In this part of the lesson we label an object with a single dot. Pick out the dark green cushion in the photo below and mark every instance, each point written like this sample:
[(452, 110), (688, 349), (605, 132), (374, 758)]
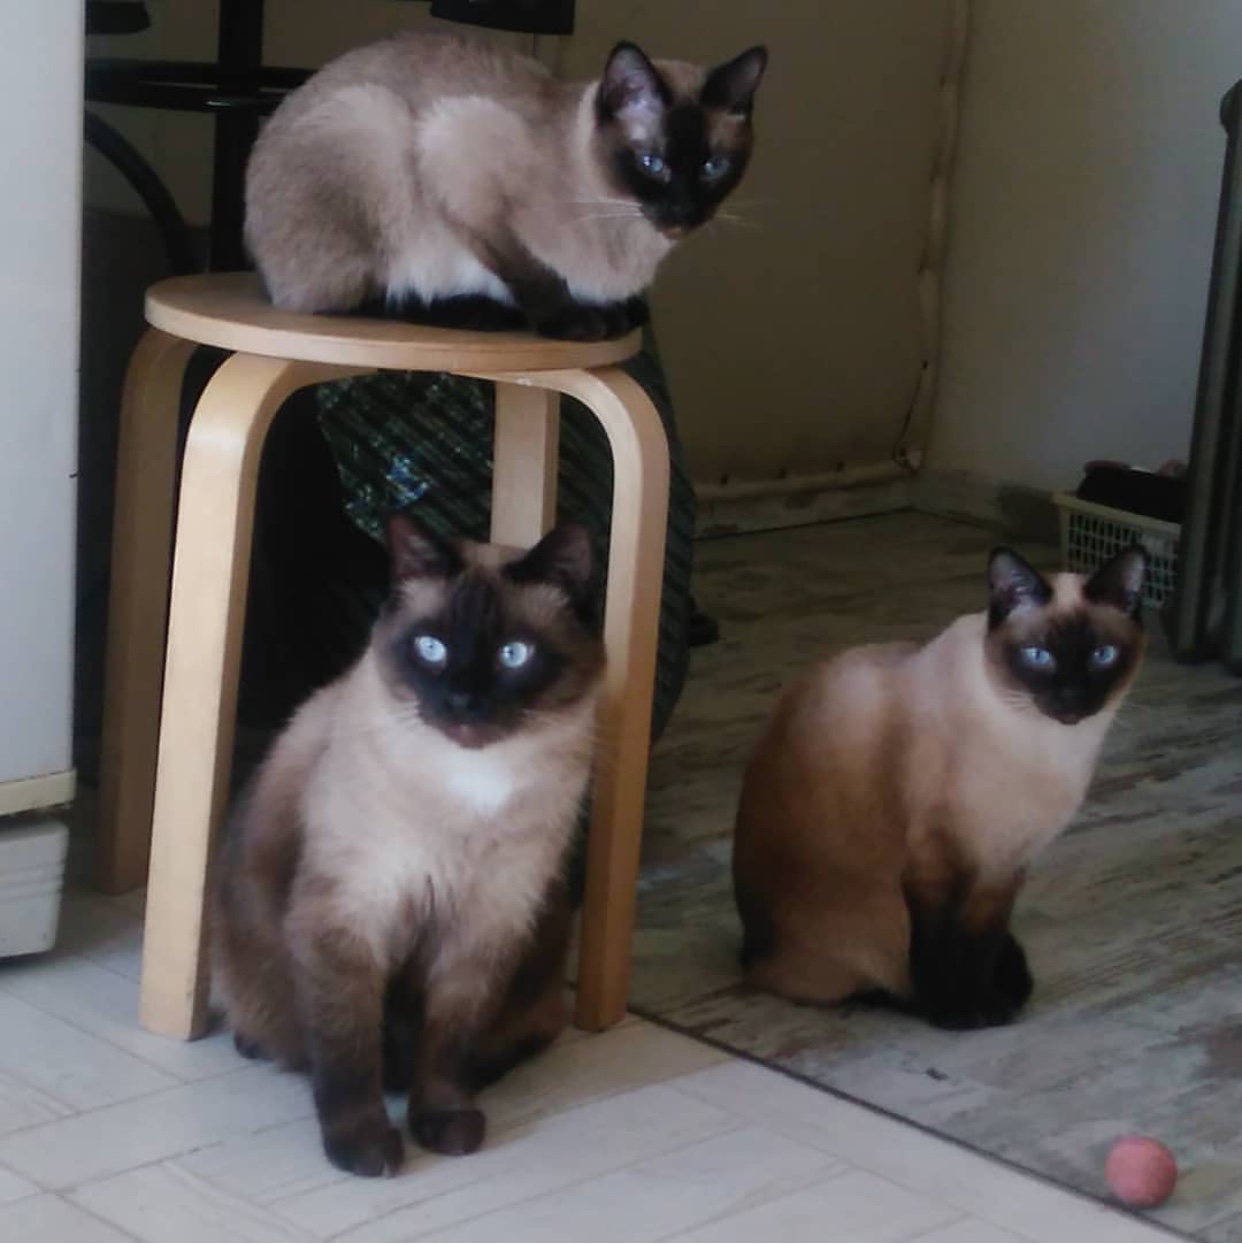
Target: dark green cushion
[(424, 442)]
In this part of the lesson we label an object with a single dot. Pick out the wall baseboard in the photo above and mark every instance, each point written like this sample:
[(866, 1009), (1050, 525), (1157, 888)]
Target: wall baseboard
[(48, 790), (721, 513), (1015, 511)]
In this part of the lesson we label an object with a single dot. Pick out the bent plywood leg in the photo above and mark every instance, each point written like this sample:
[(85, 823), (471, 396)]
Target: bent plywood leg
[(137, 610), (524, 461), (210, 578), (631, 633)]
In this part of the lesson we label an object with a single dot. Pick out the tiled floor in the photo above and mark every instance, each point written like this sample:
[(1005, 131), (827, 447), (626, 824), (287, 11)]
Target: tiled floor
[(109, 1133)]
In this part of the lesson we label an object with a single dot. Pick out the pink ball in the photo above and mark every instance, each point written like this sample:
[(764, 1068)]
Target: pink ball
[(1141, 1172)]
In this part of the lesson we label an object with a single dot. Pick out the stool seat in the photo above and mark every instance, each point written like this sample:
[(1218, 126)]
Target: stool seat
[(230, 310)]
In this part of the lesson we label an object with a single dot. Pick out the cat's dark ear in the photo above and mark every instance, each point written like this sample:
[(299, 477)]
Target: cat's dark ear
[(1119, 582), (631, 83), (562, 557), (1013, 583), (416, 552), (732, 86)]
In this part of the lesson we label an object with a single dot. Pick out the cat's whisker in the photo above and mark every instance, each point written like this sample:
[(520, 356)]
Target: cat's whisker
[(609, 216), (376, 731), (613, 222), (541, 716), (738, 222), (1019, 701)]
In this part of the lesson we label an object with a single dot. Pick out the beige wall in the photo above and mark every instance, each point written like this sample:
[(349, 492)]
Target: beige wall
[(1084, 201), (794, 338)]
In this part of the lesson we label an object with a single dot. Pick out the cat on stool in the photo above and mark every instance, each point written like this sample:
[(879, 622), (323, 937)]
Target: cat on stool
[(899, 792), (445, 180)]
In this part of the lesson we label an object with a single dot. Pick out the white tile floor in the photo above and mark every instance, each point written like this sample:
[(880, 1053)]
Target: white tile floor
[(109, 1133)]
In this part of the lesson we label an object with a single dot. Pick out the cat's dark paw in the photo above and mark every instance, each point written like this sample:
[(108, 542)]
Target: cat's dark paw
[(248, 1048), (991, 1004), (574, 324), (370, 1147), (965, 980), (637, 313), (579, 322), (988, 1010), (451, 1132), (475, 314)]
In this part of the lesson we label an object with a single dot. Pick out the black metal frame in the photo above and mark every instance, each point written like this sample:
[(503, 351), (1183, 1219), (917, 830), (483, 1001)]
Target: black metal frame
[(533, 17), (175, 234), (238, 90), (1206, 618)]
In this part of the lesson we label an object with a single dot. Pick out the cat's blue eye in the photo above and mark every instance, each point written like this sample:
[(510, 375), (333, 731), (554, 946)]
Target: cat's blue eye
[(1038, 658), (716, 166), (431, 649), (653, 164), (515, 654), (1105, 655)]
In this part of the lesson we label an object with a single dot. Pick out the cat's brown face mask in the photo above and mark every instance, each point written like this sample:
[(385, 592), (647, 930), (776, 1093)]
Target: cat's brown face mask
[(675, 140), (481, 645), (1071, 650)]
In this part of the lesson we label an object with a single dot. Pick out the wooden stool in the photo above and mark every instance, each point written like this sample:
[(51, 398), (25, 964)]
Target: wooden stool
[(165, 787)]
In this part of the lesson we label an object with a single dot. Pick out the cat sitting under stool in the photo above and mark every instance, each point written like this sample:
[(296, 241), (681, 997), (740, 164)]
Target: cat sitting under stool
[(391, 911)]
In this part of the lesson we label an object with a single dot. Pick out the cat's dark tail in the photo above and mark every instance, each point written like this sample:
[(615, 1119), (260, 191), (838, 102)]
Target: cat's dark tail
[(758, 931)]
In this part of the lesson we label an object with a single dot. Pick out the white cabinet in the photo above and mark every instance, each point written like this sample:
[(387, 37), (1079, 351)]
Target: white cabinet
[(40, 226)]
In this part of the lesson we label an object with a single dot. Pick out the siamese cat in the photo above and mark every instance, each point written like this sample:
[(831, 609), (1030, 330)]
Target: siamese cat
[(445, 180), (891, 808), (391, 910)]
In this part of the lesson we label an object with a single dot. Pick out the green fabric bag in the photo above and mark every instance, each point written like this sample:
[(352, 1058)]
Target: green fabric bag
[(423, 442)]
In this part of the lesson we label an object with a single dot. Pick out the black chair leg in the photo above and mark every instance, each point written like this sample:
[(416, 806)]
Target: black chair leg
[(174, 232)]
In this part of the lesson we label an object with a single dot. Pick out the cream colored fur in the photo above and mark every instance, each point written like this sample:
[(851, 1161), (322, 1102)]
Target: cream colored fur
[(388, 167), (1027, 774), (406, 822)]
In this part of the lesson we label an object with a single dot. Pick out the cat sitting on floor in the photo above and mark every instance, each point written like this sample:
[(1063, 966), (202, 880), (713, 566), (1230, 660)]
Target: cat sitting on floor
[(445, 180), (391, 910), (890, 810)]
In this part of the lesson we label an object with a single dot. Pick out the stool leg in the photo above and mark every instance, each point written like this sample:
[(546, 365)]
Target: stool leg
[(631, 632), (524, 461), (210, 579), (137, 607)]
